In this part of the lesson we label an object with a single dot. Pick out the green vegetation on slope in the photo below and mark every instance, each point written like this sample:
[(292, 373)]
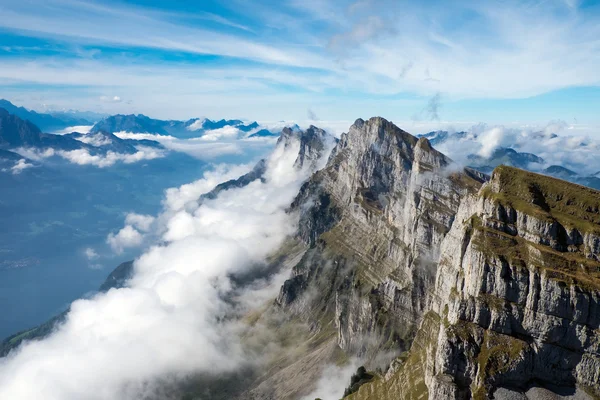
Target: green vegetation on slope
[(547, 198)]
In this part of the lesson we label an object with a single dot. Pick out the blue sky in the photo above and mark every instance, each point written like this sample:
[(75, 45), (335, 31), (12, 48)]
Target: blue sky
[(466, 62)]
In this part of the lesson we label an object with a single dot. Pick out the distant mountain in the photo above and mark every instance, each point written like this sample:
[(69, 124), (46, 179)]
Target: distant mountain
[(17, 132), (558, 171), (6, 155), (131, 123), (45, 122), (89, 116), (263, 133), (503, 156), (107, 141), (182, 129), (512, 157), (438, 137)]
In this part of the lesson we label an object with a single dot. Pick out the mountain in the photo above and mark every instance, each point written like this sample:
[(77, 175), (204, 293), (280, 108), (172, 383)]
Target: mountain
[(438, 137), (46, 122), (131, 123), (447, 284), (257, 172), (81, 116), (504, 156), (312, 146), (263, 133), (109, 142), (6, 155), (182, 129), (16, 132), (558, 171)]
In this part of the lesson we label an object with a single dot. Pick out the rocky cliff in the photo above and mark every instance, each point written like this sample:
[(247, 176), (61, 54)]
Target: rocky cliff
[(471, 289)]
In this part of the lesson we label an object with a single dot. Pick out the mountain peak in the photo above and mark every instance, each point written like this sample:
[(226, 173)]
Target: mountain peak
[(15, 131)]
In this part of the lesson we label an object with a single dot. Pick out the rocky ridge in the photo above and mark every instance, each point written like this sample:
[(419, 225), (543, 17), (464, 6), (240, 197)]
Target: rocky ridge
[(467, 286)]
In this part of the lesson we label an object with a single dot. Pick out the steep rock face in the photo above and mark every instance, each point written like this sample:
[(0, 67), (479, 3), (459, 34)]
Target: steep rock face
[(492, 286), (374, 217), (521, 300), (516, 302)]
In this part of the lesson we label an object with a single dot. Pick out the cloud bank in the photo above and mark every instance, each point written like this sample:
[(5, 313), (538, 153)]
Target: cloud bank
[(212, 145), (84, 157), (558, 143), (171, 321)]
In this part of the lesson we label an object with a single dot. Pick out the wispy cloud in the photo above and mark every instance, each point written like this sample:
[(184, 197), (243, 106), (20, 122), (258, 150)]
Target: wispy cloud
[(341, 52), (132, 26), (84, 157), (20, 166)]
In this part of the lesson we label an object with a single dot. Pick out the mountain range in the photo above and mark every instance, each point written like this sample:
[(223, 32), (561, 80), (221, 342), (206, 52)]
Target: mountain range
[(52, 121), (56, 121), (182, 129), (445, 282), (18, 133)]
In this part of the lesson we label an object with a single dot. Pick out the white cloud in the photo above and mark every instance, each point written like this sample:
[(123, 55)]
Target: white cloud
[(96, 140), (554, 142), (83, 157), (110, 99), (35, 154), (492, 139), (139, 221), (368, 54), (90, 253), (196, 125), (187, 195), (77, 128), (20, 165), (127, 237), (227, 133), (171, 320), (219, 144), (334, 379)]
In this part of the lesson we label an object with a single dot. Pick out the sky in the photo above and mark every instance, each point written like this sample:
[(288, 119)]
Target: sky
[(462, 62)]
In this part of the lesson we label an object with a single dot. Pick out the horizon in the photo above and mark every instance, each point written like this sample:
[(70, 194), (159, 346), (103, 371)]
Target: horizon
[(415, 127)]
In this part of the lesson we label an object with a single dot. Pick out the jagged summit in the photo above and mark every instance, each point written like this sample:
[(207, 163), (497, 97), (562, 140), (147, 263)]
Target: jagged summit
[(313, 144)]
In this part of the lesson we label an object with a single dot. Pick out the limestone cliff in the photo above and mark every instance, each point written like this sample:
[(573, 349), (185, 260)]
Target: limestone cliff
[(467, 286), (374, 218)]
